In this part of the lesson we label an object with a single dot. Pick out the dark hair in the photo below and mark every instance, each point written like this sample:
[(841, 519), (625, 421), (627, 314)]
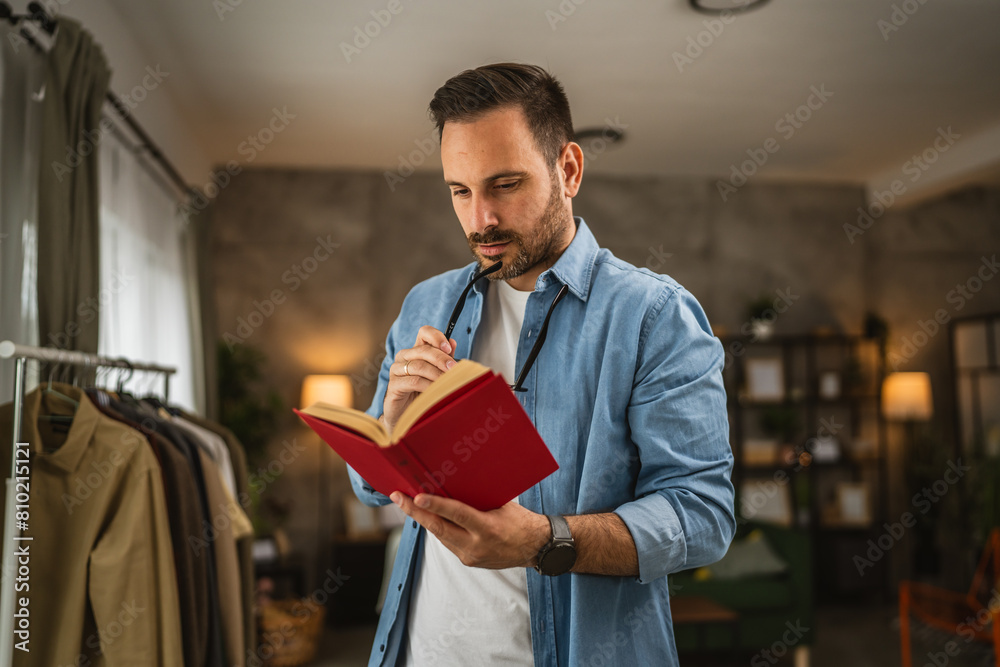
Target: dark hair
[(475, 92)]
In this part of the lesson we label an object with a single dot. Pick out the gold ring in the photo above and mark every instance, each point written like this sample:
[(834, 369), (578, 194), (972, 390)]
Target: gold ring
[(406, 368)]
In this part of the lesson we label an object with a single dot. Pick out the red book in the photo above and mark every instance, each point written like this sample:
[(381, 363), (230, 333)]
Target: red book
[(466, 437)]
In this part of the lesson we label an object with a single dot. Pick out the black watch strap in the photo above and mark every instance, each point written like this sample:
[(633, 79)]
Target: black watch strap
[(560, 527)]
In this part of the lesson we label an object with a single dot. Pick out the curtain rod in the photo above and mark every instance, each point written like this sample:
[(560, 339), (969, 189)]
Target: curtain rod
[(9, 349), (146, 143)]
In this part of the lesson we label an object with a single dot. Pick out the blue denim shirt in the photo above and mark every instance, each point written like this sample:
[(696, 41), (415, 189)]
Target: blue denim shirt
[(627, 393)]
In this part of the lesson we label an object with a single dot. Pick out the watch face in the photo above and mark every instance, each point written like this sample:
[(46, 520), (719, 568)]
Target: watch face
[(558, 560)]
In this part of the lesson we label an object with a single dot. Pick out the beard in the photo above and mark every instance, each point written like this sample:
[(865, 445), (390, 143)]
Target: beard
[(540, 247)]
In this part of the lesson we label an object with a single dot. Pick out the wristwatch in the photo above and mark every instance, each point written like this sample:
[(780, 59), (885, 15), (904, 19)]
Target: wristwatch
[(557, 557)]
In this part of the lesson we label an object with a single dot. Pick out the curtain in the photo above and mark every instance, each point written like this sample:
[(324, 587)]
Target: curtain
[(76, 81), (21, 92), (201, 278), (149, 304)]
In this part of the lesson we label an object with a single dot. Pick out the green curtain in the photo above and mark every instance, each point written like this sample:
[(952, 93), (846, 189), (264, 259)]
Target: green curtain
[(201, 296), (76, 81)]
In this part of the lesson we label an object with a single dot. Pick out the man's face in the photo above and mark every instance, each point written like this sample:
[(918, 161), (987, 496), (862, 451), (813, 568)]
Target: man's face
[(511, 207)]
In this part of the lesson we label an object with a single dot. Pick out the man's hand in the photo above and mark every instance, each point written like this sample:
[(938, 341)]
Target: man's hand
[(512, 536), (413, 370), (509, 536)]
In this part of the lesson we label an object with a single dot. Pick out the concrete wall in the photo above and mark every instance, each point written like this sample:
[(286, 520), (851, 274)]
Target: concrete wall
[(764, 238)]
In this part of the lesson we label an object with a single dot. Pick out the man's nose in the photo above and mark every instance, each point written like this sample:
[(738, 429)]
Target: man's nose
[(483, 215)]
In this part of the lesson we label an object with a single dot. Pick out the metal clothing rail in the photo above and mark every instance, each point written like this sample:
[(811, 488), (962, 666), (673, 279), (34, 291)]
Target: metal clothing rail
[(11, 533)]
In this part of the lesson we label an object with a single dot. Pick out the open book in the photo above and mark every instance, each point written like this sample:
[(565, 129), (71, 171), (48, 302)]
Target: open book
[(466, 437)]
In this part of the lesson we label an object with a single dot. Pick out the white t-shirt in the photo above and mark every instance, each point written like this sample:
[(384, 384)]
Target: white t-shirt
[(468, 615)]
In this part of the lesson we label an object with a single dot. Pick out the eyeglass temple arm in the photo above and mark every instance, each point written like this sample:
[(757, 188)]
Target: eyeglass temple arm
[(537, 347), (461, 300)]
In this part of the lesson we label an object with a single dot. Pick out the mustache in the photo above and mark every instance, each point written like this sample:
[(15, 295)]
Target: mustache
[(491, 237)]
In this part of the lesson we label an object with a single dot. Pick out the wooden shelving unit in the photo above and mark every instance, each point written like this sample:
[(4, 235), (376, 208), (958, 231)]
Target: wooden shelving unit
[(820, 478)]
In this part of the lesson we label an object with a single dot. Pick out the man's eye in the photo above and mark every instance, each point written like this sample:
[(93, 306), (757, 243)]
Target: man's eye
[(506, 186), (459, 193)]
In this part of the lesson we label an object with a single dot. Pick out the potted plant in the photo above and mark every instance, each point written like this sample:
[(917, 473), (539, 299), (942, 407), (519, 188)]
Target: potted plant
[(761, 315)]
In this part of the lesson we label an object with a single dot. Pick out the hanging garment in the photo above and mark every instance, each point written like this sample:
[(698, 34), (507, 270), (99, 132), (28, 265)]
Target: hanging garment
[(212, 445), (226, 563), (244, 546), (201, 545), (185, 517), (103, 588)]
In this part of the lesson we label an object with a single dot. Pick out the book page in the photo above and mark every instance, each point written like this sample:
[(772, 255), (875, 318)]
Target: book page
[(454, 378), (355, 420)]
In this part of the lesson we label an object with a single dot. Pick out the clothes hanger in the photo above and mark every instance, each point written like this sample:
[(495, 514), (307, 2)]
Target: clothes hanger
[(123, 395), (49, 391)]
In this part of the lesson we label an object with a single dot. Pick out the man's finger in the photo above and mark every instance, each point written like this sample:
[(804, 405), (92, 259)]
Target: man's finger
[(444, 529), (453, 510), (428, 335)]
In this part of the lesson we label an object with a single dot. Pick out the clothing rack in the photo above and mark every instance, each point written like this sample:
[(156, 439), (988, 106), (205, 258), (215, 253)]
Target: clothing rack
[(21, 354)]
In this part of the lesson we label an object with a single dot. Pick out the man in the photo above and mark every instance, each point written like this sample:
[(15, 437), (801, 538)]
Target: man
[(627, 393)]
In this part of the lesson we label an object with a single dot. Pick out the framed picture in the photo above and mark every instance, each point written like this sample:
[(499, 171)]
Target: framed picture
[(825, 449), (829, 385), (767, 501), (765, 380), (854, 505), (360, 520), (760, 452)]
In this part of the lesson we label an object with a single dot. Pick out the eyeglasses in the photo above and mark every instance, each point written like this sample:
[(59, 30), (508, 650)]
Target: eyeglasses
[(535, 349)]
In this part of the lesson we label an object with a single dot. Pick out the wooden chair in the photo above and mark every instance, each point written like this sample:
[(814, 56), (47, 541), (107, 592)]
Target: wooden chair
[(974, 615)]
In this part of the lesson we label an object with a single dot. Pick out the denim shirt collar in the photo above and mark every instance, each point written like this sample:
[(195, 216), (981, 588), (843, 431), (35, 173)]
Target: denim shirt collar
[(573, 268)]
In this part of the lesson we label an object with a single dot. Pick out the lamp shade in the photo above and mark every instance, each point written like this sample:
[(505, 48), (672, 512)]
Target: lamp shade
[(907, 396), (332, 389)]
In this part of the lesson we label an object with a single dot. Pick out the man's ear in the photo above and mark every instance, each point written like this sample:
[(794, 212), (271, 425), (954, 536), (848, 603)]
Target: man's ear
[(570, 168)]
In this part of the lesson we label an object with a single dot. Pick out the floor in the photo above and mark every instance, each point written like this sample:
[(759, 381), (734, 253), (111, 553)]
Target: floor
[(847, 637)]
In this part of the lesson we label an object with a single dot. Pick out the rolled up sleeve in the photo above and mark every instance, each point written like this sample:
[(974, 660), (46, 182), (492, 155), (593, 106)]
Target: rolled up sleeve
[(683, 515)]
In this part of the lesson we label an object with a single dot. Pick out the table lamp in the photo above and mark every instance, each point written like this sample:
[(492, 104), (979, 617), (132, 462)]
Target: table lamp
[(335, 390), (907, 397)]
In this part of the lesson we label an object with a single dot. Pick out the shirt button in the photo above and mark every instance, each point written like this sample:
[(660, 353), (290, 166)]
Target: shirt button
[(382, 647), (399, 587), (414, 524)]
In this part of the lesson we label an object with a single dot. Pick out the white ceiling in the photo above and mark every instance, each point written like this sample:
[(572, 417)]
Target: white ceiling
[(941, 68)]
